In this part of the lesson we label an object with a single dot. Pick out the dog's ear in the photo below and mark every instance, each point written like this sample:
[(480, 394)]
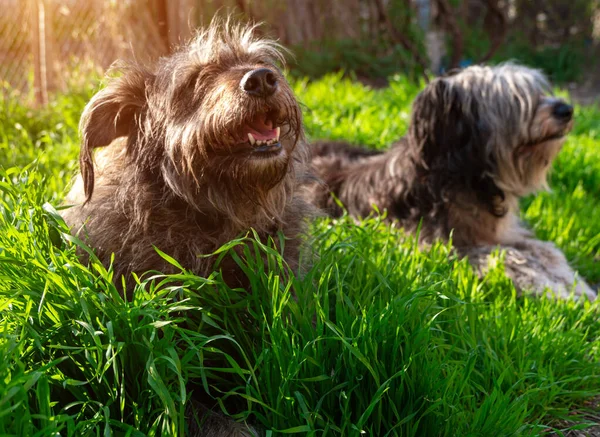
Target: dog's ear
[(112, 113), (427, 118), (446, 124), (452, 142)]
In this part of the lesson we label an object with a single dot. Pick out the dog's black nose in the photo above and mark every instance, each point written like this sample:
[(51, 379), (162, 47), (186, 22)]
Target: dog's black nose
[(261, 82), (562, 111)]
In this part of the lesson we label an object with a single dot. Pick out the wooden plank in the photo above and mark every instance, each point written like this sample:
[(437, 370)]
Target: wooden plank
[(39, 62), (162, 16), (48, 47)]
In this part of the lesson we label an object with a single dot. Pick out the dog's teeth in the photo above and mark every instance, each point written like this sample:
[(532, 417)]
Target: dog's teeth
[(277, 134), (251, 138)]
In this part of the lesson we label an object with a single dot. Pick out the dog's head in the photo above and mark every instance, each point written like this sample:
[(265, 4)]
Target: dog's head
[(490, 130), (215, 122)]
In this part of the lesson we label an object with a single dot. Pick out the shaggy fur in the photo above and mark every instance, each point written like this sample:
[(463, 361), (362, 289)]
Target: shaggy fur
[(183, 174), (478, 141)]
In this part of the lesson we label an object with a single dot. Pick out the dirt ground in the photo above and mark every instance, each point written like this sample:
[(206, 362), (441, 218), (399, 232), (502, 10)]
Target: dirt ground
[(591, 414), (587, 90)]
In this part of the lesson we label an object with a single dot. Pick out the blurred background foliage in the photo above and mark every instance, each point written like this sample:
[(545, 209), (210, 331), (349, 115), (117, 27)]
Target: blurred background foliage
[(43, 42)]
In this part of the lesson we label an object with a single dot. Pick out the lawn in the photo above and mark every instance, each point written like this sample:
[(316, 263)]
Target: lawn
[(377, 338)]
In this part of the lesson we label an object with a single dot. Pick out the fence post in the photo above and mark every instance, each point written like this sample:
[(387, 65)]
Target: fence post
[(41, 44), (162, 12), (48, 46), (37, 26), (434, 38)]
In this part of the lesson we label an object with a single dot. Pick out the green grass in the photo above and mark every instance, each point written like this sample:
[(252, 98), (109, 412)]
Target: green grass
[(378, 337)]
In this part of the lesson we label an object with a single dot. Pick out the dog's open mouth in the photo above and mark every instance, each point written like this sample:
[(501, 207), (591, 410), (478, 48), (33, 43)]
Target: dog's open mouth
[(263, 135)]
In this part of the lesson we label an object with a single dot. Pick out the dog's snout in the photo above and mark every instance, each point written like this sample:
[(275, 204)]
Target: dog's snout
[(562, 111), (261, 82)]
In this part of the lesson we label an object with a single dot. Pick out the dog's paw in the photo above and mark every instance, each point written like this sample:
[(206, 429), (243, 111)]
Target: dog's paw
[(583, 289), (535, 267)]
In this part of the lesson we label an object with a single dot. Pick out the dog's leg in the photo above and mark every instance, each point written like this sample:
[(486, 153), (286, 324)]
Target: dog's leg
[(557, 267)]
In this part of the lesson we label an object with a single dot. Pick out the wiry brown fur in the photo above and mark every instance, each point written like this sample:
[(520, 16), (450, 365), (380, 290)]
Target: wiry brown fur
[(178, 171), (177, 179), (478, 141)]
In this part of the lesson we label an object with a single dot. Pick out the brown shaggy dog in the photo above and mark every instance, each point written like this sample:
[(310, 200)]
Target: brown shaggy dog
[(212, 145), (478, 141)]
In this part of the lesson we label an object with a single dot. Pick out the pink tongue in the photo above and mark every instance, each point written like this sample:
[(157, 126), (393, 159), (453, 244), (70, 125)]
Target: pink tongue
[(263, 135), (261, 129)]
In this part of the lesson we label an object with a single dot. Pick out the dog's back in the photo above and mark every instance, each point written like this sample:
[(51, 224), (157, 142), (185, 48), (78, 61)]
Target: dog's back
[(358, 177), (342, 152)]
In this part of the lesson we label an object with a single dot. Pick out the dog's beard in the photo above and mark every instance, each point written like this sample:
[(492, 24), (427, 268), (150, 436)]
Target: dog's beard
[(523, 169), (535, 163), (249, 174), (241, 189)]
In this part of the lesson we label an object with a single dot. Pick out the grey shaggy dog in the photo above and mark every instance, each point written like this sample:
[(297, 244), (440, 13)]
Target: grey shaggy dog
[(478, 140), (197, 150)]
